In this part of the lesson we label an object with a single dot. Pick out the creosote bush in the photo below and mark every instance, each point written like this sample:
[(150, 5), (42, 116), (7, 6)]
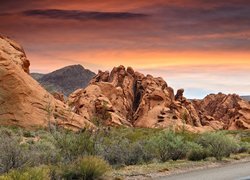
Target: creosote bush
[(168, 146), (218, 144), (73, 145), (12, 153), (196, 152), (119, 151), (36, 173), (86, 168)]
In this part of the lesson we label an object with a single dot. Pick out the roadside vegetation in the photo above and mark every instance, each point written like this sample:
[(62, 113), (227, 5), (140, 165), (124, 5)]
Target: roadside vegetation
[(62, 154)]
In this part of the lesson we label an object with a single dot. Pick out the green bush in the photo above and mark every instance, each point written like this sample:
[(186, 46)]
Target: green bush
[(169, 145), (43, 152), (87, 168), (218, 144), (28, 134), (13, 153), (244, 147), (196, 152), (122, 149), (73, 145), (37, 173)]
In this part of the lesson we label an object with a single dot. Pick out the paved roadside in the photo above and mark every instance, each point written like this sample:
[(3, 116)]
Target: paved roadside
[(238, 171)]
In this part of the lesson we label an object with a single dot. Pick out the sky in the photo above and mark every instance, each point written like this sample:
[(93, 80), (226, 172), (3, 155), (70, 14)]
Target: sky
[(202, 46)]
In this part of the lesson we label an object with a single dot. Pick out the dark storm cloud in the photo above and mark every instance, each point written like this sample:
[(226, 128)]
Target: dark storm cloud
[(199, 20), (81, 15)]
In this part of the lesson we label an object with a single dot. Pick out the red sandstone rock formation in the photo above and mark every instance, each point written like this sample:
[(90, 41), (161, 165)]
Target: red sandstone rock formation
[(126, 97), (226, 111)]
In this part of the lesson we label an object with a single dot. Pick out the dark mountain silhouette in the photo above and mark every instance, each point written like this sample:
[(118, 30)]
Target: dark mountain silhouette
[(65, 80)]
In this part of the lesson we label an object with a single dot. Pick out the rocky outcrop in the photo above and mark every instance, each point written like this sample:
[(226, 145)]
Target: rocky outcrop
[(59, 96), (126, 97), (23, 102), (224, 111)]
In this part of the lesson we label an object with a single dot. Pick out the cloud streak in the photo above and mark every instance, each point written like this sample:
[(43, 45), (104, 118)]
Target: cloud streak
[(81, 15)]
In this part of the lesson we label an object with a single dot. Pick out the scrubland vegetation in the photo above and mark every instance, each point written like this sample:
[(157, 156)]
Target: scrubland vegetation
[(62, 154)]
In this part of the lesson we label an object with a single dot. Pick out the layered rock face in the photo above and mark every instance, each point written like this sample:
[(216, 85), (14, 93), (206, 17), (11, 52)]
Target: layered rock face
[(224, 111), (126, 97), (23, 102)]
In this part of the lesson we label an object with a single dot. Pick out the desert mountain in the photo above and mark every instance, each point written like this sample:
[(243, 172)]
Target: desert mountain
[(37, 76), (23, 102), (65, 80)]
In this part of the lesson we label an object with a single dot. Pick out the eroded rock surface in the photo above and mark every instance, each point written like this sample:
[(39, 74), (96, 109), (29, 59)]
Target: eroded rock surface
[(126, 97), (23, 102), (224, 111)]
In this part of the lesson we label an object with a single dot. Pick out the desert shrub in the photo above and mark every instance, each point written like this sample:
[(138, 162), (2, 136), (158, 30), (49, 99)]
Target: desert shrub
[(27, 133), (244, 147), (123, 147), (138, 152), (43, 152), (37, 173), (19, 152), (136, 134), (114, 150), (13, 153), (188, 136), (73, 145), (218, 144), (119, 151), (86, 168), (196, 152), (169, 145)]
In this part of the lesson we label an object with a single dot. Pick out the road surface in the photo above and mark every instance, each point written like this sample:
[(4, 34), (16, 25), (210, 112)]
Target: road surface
[(239, 171)]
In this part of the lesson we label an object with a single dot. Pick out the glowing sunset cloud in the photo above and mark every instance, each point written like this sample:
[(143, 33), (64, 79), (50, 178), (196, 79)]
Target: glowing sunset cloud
[(202, 46)]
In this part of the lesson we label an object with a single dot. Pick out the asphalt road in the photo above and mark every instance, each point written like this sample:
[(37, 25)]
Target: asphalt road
[(229, 172)]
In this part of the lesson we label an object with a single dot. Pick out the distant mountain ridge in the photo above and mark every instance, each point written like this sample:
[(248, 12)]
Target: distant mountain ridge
[(65, 80), (247, 98)]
